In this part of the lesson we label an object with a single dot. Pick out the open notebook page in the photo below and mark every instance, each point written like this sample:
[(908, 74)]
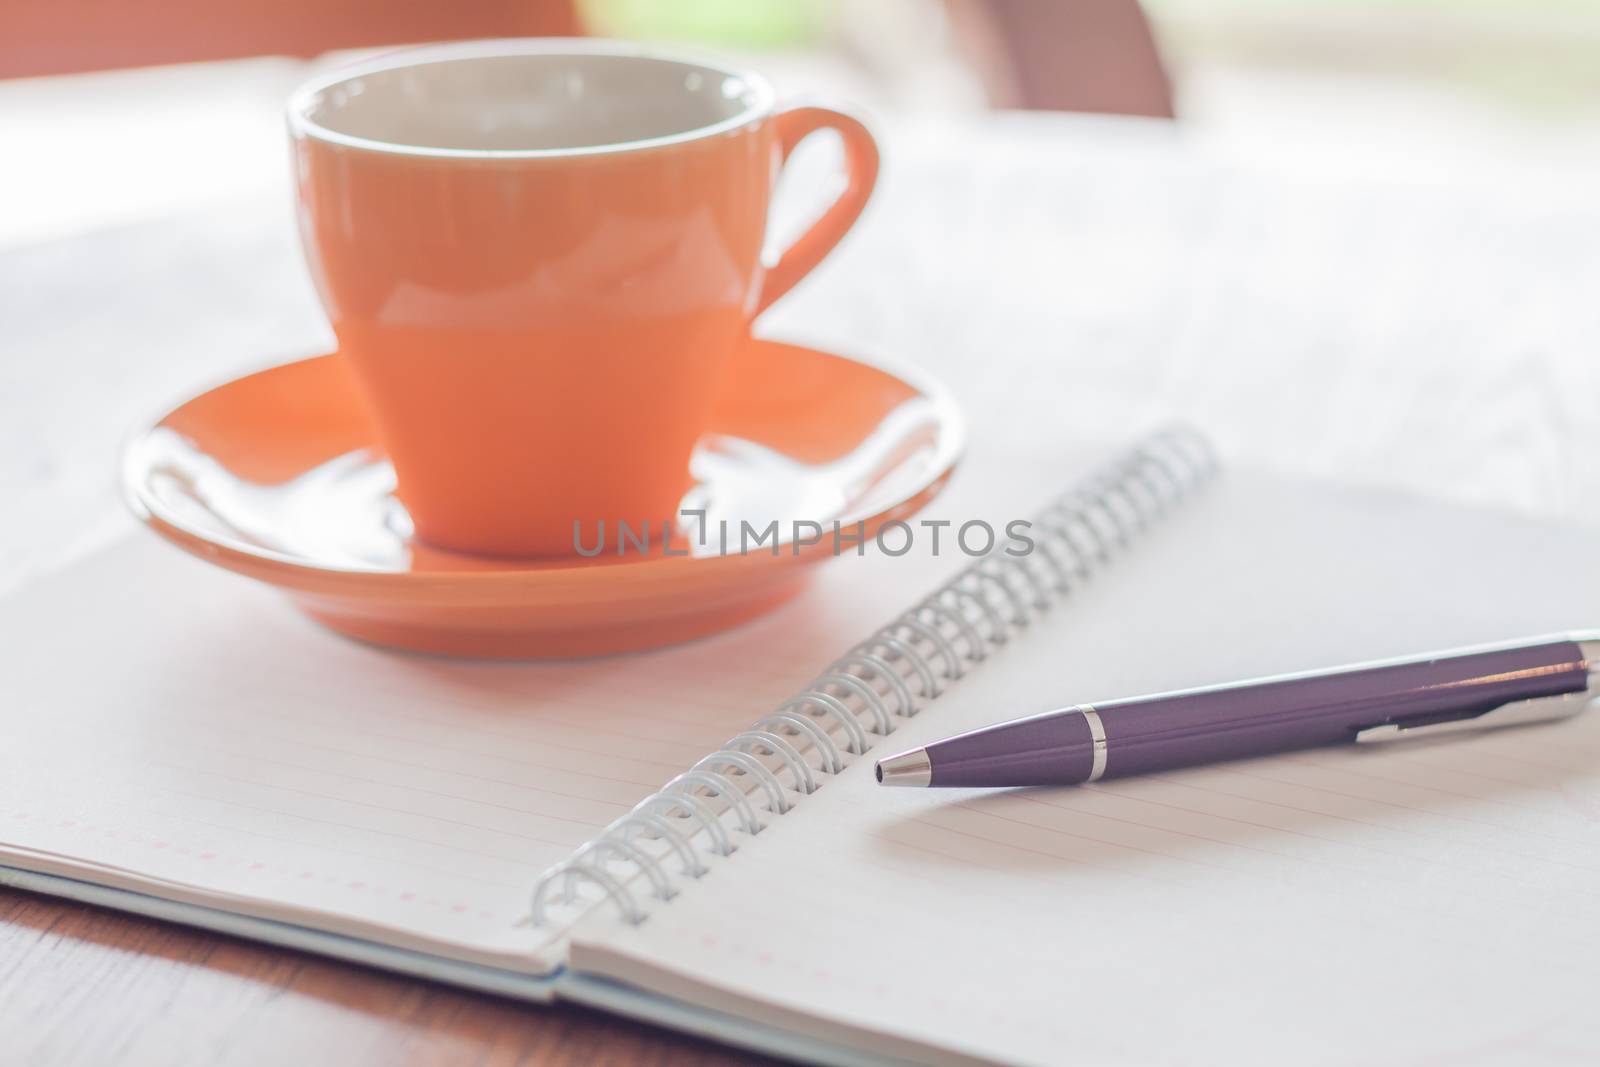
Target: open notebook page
[(1417, 902), (181, 731), (178, 730)]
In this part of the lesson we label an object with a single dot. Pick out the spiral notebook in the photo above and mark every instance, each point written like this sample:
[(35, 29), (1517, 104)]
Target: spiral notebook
[(693, 837)]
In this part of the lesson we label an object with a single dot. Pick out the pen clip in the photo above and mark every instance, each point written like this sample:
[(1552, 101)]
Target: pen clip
[(1512, 713)]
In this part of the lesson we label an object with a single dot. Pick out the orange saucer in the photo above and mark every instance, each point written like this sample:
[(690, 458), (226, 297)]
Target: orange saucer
[(276, 476)]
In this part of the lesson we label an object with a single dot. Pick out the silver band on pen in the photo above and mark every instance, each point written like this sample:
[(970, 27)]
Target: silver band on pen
[(1097, 733)]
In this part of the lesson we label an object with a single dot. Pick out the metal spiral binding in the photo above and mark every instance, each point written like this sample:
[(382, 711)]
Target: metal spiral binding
[(889, 676)]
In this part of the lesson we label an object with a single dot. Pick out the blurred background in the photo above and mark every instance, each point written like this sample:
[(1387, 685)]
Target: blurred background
[(1353, 239), (1394, 87)]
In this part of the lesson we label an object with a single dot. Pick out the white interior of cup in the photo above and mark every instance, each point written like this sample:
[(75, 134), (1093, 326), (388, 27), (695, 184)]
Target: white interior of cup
[(525, 99)]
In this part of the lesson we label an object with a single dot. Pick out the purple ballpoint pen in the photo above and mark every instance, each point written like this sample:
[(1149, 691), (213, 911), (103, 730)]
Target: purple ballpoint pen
[(1470, 688)]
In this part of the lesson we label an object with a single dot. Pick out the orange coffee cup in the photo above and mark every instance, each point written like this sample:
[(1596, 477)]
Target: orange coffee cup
[(538, 257)]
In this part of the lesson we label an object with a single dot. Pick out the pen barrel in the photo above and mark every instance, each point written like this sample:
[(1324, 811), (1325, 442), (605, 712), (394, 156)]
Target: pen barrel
[(1282, 715), (1171, 730)]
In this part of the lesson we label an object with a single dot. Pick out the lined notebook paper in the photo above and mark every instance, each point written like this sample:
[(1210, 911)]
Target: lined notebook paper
[(1415, 903), (181, 731)]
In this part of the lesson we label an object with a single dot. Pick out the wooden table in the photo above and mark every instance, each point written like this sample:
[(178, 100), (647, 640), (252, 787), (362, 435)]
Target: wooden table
[(1068, 277)]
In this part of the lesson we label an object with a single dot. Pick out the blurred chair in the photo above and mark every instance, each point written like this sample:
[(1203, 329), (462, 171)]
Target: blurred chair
[(66, 36), (1073, 55), (1067, 55)]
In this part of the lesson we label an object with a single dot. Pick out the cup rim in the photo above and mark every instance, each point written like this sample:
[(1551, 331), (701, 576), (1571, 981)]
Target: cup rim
[(302, 124)]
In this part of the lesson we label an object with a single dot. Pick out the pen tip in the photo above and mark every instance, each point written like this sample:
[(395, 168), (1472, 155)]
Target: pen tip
[(908, 768)]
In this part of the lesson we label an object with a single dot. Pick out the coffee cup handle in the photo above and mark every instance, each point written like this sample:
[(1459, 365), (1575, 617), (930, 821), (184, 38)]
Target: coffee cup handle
[(861, 171)]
